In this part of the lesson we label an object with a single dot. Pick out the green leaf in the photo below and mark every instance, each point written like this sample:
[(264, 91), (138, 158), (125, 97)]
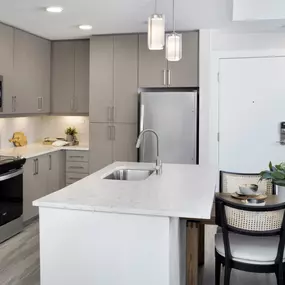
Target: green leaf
[(270, 166), (278, 175)]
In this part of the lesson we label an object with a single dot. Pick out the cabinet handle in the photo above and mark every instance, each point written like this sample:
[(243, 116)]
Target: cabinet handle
[(109, 114), (72, 104), (76, 156), (114, 133), (109, 133), (75, 103), (74, 178), (76, 167), (113, 114), (14, 104), (169, 77), (164, 77), (40, 103), (35, 166), (50, 164)]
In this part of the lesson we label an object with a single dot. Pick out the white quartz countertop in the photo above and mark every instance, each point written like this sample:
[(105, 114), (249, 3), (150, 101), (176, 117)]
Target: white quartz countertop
[(37, 149), (181, 191)]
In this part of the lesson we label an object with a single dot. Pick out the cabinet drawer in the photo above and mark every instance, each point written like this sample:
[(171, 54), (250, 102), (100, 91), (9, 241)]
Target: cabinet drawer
[(76, 155), (77, 167), (73, 177)]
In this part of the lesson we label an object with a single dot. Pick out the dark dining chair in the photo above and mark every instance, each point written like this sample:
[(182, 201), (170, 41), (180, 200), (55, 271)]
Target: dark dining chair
[(252, 238)]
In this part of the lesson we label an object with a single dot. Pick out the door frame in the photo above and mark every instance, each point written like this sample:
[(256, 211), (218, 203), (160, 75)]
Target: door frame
[(214, 98)]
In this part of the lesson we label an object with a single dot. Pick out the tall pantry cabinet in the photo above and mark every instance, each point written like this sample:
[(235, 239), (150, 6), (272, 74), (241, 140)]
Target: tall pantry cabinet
[(113, 99)]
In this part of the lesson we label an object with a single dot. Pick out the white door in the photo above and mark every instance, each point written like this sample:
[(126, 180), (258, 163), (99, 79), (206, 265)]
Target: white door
[(251, 107)]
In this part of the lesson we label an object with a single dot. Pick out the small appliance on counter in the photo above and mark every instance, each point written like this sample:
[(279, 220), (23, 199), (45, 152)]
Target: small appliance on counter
[(11, 196), (19, 139)]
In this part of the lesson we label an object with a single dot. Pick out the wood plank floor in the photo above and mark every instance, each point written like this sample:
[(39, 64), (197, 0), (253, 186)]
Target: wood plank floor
[(19, 262)]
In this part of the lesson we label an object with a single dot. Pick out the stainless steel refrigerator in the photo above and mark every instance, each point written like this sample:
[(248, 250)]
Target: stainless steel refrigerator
[(173, 115)]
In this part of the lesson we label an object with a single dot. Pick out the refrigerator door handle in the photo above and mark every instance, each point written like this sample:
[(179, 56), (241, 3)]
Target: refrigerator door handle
[(164, 77), (141, 117)]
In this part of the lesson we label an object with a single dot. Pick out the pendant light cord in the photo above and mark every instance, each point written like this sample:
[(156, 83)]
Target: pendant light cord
[(173, 15)]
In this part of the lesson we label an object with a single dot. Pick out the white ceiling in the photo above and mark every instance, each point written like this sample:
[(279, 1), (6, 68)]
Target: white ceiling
[(114, 16)]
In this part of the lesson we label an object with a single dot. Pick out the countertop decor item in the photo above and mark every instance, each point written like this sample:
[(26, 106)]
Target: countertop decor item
[(276, 174), (19, 139), (71, 133), (248, 189), (245, 197)]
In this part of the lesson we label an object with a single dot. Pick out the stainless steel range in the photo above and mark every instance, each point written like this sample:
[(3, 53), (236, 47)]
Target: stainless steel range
[(11, 196)]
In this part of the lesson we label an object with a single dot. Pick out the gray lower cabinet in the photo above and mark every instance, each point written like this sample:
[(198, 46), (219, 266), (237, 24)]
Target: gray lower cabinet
[(70, 77), (42, 175), (113, 79), (111, 142), (156, 71)]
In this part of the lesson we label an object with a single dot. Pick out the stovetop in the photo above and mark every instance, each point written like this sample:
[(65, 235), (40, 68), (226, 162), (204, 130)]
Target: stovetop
[(10, 163)]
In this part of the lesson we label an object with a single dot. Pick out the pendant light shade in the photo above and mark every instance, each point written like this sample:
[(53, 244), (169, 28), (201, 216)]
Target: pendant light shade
[(173, 47), (173, 43), (156, 32)]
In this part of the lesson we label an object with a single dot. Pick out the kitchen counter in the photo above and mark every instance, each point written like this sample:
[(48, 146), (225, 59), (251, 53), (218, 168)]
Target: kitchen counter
[(129, 228), (181, 191), (37, 149)]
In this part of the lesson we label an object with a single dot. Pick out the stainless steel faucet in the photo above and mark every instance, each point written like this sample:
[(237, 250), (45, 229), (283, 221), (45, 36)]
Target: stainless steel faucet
[(158, 163)]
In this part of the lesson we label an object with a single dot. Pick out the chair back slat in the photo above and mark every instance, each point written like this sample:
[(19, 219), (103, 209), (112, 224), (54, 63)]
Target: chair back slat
[(229, 182)]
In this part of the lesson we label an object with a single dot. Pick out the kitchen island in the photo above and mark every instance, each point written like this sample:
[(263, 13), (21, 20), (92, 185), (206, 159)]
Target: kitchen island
[(112, 232)]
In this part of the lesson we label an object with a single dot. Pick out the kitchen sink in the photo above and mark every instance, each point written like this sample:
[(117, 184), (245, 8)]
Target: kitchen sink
[(129, 174)]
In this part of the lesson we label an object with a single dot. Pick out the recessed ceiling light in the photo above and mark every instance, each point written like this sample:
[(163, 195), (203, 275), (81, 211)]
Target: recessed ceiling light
[(54, 9), (85, 27)]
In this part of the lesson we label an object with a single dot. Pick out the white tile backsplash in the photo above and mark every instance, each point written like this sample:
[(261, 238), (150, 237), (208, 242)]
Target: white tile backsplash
[(36, 128)]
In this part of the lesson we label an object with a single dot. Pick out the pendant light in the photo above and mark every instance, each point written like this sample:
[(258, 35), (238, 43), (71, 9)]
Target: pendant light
[(173, 43), (156, 30)]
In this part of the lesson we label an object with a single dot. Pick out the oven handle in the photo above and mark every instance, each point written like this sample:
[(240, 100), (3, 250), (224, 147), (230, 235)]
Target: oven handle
[(11, 175)]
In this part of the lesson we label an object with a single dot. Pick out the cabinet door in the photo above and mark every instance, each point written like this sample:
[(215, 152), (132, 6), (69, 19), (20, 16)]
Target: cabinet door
[(101, 146), (82, 58), (42, 75), (126, 78), (6, 66), (101, 79), (42, 175), (125, 142), (29, 190), (62, 77), (184, 73), (25, 73), (152, 65), (56, 171)]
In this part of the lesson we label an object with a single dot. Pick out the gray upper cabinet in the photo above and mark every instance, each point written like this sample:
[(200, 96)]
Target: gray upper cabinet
[(62, 77), (114, 79), (82, 76), (184, 73), (6, 66), (101, 79), (156, 71), (31, 74), (152, 65), (126, 78), (70, 77)]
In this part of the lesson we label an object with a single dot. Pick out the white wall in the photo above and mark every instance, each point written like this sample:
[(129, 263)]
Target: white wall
[(36, 128)]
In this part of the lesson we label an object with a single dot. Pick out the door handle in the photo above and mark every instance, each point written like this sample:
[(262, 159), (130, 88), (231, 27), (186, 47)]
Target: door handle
[(164, 77), (37, 166), (169, 76), (39, 104), (141, 117)]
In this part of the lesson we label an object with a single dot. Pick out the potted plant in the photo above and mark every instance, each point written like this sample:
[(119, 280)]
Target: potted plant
[(276, 174), (71, 133)]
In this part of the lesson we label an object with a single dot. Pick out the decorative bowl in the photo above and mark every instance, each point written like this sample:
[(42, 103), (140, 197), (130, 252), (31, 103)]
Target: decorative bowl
[(248, 189)]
